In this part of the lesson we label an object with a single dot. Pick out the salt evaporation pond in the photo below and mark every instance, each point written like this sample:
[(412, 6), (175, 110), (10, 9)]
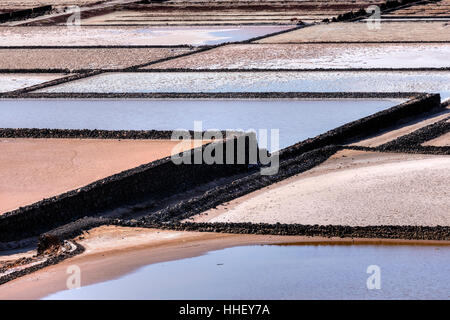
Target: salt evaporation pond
[(285, 272), (295, 119), (15, 81), (131, 35), (267, 81)]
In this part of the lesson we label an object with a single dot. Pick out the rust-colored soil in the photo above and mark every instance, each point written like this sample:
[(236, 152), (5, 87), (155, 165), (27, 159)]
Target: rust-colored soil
[(34, 169)]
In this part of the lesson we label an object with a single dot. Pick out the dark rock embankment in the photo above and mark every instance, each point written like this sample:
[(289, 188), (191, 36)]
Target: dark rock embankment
[(441, 233), (382, 232), (207, 95), (413, 142), (367, 126), (52, 259), (242, 186), (92, 134), (23, 14), (158, 179)]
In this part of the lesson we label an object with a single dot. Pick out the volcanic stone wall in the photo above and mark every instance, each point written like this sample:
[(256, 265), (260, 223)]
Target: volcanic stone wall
[(367, 126), (24, 14), (155, 180)]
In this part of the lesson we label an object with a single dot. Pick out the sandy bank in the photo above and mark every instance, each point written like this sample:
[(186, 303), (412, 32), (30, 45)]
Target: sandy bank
[(25, 4), (431, 9), (114, 251), (107, 36), (33, 169), (352, 188)]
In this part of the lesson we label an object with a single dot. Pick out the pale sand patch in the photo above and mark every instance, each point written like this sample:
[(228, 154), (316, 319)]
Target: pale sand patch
[(352, 188), (442, 141), (34, 169), (21, 4), (115, 251), (128, 17), (408, 128), (360, 32)]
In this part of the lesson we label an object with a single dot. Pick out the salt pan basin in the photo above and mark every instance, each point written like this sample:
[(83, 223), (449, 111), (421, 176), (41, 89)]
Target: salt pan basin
[(131, 35), (286, 272), (34, 169), (296, 120), (14, 81), (268, 81), (315, 56)]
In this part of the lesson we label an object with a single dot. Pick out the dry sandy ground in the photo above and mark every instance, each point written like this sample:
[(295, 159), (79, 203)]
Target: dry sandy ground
[(315, 56), (187, 18), (36, 3), (360, 32), (75, 59), (178, 12), (14, 81), (437, 8), (196, 22), (34, 169), (114, 251), (442, 141), (352, 188), (408, 128)]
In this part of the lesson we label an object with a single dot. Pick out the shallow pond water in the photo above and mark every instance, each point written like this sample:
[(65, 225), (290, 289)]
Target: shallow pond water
[(269, 81), (286, 272), (295, 119), (136, 35)]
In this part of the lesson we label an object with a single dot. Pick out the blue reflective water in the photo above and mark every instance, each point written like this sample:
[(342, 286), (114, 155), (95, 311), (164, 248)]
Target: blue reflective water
[(295, 119), (286, 272)]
